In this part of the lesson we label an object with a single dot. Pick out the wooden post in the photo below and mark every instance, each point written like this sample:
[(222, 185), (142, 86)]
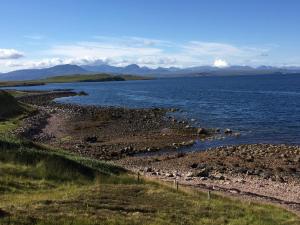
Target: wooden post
[(177, 184), (208, 195), (138, 177)]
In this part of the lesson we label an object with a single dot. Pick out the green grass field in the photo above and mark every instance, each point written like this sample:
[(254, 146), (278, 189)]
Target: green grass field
[(41, 185), (19, 83), (73, 78), (90, 78)]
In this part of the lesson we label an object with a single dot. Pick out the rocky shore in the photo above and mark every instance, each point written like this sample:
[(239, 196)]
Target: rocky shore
[(106, 132), (261, 171)]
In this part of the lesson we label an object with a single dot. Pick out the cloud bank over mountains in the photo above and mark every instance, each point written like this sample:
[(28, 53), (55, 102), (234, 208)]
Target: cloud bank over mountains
[(134, 50)]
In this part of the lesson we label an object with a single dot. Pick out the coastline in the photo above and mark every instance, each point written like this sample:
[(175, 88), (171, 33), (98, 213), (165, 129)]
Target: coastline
[(121, 133), (106, 132), (263, 172)]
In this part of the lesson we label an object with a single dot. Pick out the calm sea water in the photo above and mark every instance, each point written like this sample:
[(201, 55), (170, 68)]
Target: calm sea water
[(264, 109)]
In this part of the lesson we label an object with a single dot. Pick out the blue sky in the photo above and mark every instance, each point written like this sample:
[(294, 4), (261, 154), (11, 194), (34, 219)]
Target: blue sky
[(183, 33)]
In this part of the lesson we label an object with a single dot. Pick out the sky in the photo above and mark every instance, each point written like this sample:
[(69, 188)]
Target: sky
[(156, 33)]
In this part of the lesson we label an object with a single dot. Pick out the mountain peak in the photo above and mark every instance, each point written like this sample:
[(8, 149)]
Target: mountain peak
[(132, 66)]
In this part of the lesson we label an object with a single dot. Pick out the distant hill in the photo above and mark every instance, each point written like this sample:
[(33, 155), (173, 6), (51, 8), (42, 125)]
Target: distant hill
[(36, 74), (191, 71), (130, 69), (89, 78), (133, 69), (99, 77)]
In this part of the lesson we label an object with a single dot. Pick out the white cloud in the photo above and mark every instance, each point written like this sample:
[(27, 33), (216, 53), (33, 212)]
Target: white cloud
[(101, 50), (220, 63), (10, 54), (121, 51), (133, 41), (211, 49), (35, 63), (48, 62), (215, 49), (34, 37)]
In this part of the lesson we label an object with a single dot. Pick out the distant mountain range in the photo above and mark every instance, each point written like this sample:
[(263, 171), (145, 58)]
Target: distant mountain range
[(36, 74), (133, 69)]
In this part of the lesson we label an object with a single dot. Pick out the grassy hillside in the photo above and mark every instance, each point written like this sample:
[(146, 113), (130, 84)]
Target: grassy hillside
[(40, 185), (20, 83), (90, 78), (9, 106), (72, 78)]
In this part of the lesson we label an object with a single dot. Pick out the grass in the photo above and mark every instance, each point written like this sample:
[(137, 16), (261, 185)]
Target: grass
[(90, 78), (72, 78), (40, 185), (11, 113), (20, 83), (17, 93), (9, 106)]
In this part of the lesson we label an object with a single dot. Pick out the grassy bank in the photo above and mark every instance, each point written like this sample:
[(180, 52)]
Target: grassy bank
[(9, 106), (72, 79), (10, 109), (90, 78), (40, 185), (11, 113), (20, 83)]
